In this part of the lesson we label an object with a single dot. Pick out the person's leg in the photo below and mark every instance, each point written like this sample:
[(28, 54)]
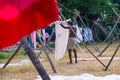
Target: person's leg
[(75, 54), (70, 55)]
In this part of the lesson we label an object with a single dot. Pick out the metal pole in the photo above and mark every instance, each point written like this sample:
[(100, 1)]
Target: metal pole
[(37, 64)]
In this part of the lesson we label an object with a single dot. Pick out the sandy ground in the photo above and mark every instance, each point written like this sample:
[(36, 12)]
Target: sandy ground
[(85, 65)]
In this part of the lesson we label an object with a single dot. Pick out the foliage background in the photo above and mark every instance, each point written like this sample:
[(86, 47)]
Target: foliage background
[(92, 10)]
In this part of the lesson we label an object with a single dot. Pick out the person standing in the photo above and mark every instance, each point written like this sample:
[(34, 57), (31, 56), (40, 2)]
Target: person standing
[(71, 41)]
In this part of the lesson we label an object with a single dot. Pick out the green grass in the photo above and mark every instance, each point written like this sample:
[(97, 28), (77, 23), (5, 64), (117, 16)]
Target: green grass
[(7, 54), (21, 52), (4, 55)]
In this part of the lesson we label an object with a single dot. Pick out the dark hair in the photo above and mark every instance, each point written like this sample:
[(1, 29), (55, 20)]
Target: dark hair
[(70, 22)]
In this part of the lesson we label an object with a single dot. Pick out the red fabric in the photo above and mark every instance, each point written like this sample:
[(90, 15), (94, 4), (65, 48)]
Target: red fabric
[(19, 18)]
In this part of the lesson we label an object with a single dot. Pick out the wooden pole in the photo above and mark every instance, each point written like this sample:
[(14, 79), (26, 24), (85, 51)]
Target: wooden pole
[(83, 43), (97, 49), (108, 44), (105, 49), (112, 57), (46, 53), (12, 56), (37, 64)]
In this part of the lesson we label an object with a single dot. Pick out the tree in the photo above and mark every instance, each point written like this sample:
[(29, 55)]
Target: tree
[(89, 9)]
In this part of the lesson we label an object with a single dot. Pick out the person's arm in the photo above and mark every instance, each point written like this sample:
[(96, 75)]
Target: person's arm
[(64, 26)]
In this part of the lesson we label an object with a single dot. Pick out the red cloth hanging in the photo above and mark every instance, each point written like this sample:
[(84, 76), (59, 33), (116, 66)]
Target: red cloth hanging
[(19, 18)]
